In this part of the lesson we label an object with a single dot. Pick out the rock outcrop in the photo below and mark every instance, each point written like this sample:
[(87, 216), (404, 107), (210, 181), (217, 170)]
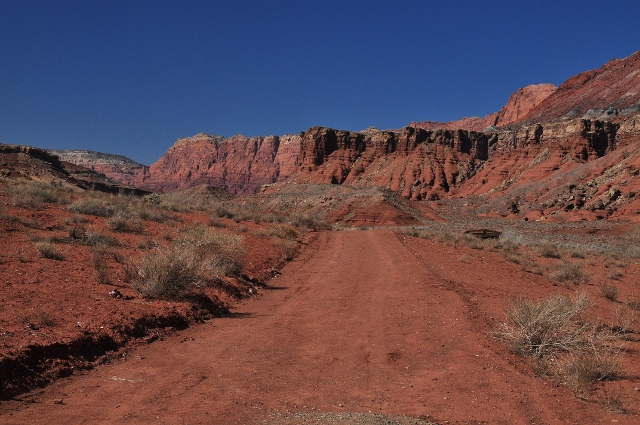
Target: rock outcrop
[(603, 93), (239, 164), (420, 164), (117, 167), (39, 164), (518, 107)]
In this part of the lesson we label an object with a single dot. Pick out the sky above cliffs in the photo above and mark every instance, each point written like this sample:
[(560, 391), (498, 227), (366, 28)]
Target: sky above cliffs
[(131, 77)]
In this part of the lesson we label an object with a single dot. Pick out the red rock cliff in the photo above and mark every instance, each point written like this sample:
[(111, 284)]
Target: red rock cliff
[(417, 163), (239, 164)]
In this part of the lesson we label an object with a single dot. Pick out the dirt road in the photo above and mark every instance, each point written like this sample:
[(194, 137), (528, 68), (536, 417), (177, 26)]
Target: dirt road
[(357, 323)]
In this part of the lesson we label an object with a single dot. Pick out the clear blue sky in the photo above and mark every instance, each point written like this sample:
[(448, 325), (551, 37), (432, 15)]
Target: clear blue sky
[(130, 77)]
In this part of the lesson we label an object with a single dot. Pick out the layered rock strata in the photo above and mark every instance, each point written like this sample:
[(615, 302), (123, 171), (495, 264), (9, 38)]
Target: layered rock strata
[(240, 164)]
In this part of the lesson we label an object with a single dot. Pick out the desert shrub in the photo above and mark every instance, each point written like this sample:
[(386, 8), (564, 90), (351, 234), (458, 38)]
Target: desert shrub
[(577, 254), (634, 304), (158, 216), (44, 318), (99, 259), (309, 222), (219, 252), (223, 212), (284, 231), (539, 328), (123, 222), (93, 239), (49, 250), (166, 273), (93, 206), (609, 291), (548, 250), (568, 273), (288, 248), (215, 221), (31, 194), (626, 319), (554, 332), (615, 274), (617, 400), (584, 368)]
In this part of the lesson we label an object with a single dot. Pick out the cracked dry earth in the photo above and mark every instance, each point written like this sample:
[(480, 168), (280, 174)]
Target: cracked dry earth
[(364, 327)]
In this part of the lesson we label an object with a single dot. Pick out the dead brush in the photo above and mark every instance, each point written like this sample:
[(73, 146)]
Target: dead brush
[(167, 273), (31, 194), (284, 231), (540, 328), (553, 332), (584, 368), (549, 250), (49, 250), (123, 222), (100, 253), (609, 291), (568, 273)]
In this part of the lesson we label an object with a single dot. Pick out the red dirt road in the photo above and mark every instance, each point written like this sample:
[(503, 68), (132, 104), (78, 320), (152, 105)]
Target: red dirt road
[(357, 323)]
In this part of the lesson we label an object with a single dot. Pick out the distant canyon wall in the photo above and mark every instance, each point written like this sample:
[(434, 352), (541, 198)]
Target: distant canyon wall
[(239, 164)]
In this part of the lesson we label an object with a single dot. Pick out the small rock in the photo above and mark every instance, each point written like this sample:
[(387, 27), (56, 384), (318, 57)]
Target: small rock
[(57, 401), (115, 294)]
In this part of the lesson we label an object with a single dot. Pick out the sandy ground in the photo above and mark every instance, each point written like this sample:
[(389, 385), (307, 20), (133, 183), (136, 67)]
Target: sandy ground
[(363, 322)]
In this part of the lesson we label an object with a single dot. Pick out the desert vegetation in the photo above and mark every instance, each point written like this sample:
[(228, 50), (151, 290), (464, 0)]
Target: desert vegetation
[(566, 346)]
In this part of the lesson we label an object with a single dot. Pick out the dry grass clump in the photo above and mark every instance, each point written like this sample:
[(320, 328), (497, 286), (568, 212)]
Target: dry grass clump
[(539, 328), (97, 204), (219, 251), (31, 194), (549, 250), (123, 222), (568, 273), (553, 331), (584, 368), (609, 291), (284, 231), (200, 256), (166, 273), (49, 250)]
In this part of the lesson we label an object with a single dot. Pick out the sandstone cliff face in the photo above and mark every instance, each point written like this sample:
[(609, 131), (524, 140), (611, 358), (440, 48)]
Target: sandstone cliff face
[(239, 164), (420, 164), (436, 164), (517, 107)]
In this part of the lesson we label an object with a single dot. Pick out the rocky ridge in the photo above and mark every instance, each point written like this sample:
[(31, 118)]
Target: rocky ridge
[(517, 107), (40, 164), (116, 167)]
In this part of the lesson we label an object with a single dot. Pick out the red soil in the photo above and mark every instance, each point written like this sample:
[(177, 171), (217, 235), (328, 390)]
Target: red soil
[(362, 321)]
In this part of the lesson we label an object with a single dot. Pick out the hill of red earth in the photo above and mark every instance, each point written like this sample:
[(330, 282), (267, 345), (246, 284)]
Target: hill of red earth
[(518, 106)]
